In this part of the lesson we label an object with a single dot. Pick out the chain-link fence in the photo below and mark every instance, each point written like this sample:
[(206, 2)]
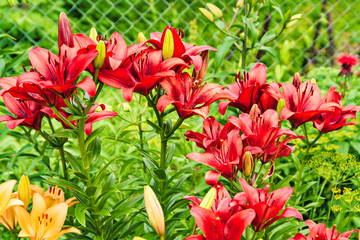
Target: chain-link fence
[(327, 28)]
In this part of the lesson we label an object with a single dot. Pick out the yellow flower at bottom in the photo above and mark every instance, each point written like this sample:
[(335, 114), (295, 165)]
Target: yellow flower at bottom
[(43, 223)]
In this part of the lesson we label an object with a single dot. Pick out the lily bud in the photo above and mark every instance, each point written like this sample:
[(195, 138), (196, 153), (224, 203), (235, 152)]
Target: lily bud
[(215, 10), (168, 45), (205, 64), (24, 190), (294, 19), (141, 37), (126, 107), (100, 58), (254, 112), (297, 80), (248, 164), (240, 3), (154, 211), (207, 14), (209, 198), (93, 34), (281, 104), (138, 238), (313, 80)]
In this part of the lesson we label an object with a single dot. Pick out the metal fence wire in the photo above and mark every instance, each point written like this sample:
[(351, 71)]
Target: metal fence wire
[(327, 27)]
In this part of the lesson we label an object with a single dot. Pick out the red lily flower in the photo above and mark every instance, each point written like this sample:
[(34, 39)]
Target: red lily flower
[(212, 135), (222, 224), (188, 99), (268, 206), (303, 102), (226, 157), (331, 121), (27, 113), (249, 91), (56, 75), (320, 232), (92, 117), (263, 131), (143, 73), (347, 62), (187, 52)]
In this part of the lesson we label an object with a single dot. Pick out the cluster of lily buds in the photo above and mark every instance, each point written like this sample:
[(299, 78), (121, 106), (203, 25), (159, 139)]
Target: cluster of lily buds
[(48, 213)]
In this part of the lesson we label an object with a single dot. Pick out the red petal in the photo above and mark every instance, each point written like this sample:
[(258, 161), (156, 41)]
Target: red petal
[(116, 79), (44, 62), (251, 193), (83, 41), (195, 237), (88, 85), (208, 223), (78, 64), (179, 48), (236, 225), (212, 177)]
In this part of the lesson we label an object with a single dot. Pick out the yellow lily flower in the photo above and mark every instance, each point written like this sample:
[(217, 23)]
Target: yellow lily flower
[(42, 222), (6, 199)]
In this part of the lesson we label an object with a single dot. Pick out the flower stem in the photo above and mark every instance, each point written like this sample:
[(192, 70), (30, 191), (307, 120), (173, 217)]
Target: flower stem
[(244, 48), (63, 163), (255, 233), (175, 127), (62, 118), (236, 186)]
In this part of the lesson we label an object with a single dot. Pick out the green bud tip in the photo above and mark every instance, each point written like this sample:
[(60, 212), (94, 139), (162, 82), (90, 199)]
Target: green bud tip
[(100, 58), (141, 37), (93, 34), (207, 14), (215, 10), (208, 199), (281, 104), (168, 45)]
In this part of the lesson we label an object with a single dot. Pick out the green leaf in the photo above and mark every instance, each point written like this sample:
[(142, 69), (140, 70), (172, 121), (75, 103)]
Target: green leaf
[(81, 175), (65, 183), (110, 181), (169, 153), (154, 126), (65, 133), (284, 182), (103, 212), (272, 51), (252, 31), (93, 135), (222, 51), (74, 162), (80, 213), (91, 190), (267, 36), (4, 35), (7, 51), (149, 161), (16, 61)]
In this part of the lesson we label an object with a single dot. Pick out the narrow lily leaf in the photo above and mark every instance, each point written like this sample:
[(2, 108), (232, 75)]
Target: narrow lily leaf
[(222, 51), (80, 213)]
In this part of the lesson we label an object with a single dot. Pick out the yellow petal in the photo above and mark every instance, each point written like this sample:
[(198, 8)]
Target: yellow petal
[(24, 221), (62, 232), (38, 209), (6, 189), (36, 189), (58, 214), (71, 201)]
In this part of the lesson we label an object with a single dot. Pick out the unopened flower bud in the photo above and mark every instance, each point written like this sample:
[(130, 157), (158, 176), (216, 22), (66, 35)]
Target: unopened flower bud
[(24, 190), (240, 3), (215, 10), (297, 80), (168, 45), (313, 80), (248, 164), (281, 104), (154, 211), (205, 64), (141, 37), (100, 58), (207, 14), (254, 112), (138, 238), (126, 107), (209, 198), (294, 19), (93, 34)]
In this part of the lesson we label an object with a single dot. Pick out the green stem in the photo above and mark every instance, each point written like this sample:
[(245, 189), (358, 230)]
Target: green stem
[(15, 235), (63, 163), (194, 229), (258, 174), (329, 208), (163, 152), (175, 127), (50, 124), (244, 48), (236, 186), (162, 237), (62, 118), (158, 116), (255, 233)]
